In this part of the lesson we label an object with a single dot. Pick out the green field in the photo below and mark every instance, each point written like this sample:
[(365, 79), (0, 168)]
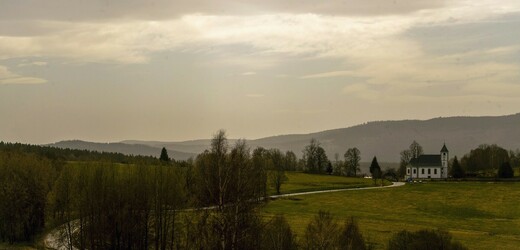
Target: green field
[(479, 215), (302, 182)]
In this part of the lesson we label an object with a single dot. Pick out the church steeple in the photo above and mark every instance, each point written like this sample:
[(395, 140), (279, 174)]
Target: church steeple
[(444, 159), (444, 149)]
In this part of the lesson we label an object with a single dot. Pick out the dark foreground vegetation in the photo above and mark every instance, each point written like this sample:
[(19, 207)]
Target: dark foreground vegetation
[(114, 201)]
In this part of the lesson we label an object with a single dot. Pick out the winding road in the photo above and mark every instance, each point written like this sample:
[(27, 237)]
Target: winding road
[(53, 240), (395, 184)]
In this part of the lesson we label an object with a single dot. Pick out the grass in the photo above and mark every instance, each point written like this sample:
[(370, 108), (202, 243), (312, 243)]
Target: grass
[(302, 182), (479, 215)]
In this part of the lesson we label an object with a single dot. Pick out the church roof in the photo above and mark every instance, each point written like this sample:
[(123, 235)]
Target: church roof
[(444, 149), (426, 161)]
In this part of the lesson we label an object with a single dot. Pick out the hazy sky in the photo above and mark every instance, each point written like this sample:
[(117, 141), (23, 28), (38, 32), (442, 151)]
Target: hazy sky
[(105, 70)]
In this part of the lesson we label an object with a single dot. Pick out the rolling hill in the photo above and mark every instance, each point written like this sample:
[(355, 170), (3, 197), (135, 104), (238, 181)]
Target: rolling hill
[(384, 139)]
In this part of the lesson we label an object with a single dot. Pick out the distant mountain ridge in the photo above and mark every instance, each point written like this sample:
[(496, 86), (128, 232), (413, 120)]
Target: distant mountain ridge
[(384, 139)]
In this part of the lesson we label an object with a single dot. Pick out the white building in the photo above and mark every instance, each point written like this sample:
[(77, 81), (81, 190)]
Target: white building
[(429, 166)]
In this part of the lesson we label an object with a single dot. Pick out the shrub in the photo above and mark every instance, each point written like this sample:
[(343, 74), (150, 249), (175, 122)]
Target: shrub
[(322, 232), (423, 239), (278, 235), (350, 237)]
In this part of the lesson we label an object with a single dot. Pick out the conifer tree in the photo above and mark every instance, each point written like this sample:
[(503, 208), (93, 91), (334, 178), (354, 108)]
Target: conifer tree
[(164, 155), (456, 169), (375, 170)]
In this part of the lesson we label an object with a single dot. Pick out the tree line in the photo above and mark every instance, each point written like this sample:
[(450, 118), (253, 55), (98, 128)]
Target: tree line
[(66, 154), (315, 160)]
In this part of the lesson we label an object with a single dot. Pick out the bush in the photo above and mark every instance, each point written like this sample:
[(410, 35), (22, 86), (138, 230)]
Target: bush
[(423, 239), (322, 232), (278, 235), (351, 237)]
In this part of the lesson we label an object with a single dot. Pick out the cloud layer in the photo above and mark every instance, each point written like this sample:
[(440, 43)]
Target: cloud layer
[(67, 10), (226, 59)]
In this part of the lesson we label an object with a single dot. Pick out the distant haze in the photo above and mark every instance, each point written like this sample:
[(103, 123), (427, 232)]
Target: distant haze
[(385, 139), (104, 70)]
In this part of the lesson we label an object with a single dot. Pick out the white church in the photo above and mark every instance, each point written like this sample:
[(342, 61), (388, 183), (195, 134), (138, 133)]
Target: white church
[(429, 166)]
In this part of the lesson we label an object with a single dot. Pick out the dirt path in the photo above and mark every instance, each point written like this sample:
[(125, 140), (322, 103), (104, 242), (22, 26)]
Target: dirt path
[(395, 184), (55, 238)]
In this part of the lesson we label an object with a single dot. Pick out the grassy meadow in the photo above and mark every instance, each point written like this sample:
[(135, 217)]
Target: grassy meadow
[(303, 182), (479, 215)]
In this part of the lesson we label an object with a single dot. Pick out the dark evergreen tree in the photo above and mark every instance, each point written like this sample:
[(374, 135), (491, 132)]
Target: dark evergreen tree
[(375, 170), (164, 155), (505, 170), (329, 168), (456, 169)]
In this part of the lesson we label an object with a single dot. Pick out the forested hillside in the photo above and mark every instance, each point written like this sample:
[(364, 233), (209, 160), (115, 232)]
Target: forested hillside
[(387, 139)]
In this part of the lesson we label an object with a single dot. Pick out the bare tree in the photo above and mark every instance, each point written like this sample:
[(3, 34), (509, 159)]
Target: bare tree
[(352, 159), (322, 232), (314, 157), (277, 169), (229, 181), (415, 149), (406, 156)]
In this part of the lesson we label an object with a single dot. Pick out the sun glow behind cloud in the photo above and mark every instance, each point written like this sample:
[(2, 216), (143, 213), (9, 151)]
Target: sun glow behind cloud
[(372, 56)]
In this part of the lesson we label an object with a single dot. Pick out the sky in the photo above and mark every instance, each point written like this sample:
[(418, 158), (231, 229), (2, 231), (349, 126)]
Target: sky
[(105, 70)]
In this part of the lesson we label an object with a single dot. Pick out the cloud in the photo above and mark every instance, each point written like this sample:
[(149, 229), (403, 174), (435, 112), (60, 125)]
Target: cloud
[(374, 47), (127, 39), (115, 42), (134, 41), (9, 78), (65, 10), (249, 73)]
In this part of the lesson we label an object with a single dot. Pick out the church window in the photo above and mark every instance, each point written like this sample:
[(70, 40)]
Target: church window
[(429, 171), (435, 171), (422, 171)]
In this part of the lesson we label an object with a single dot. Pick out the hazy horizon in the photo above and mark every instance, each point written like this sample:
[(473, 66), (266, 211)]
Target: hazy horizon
[(108, 71), (208, 137)]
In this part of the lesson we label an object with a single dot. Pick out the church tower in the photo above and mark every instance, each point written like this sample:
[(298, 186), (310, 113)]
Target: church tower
[(445, 156)]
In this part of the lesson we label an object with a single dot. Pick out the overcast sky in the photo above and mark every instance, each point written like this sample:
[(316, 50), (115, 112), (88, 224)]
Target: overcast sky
[(104, 70)]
